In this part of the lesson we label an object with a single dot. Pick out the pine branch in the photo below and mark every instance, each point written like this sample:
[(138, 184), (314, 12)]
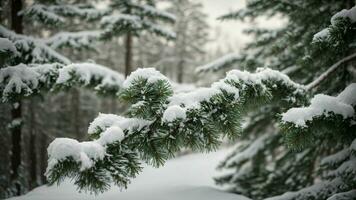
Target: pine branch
[(330, 71)]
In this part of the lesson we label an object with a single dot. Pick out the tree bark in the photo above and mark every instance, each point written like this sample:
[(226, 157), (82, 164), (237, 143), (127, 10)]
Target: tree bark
[(128, 54), (32, 146), (43, 157), (16, 25)]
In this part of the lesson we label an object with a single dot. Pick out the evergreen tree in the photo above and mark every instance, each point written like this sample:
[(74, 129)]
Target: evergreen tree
[(28, 68), (131, 18), (159, 123), (303, 55)]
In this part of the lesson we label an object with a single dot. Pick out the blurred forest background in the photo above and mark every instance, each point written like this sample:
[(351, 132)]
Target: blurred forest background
[(67, 114)]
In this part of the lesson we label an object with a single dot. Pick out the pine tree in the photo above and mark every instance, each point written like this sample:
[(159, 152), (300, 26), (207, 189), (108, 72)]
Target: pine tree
[(28, 68), (303, 55), (159, 123), (131, 18)]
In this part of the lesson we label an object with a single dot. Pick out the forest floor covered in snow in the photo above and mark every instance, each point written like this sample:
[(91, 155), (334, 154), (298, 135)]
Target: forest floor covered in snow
[(184, 178)]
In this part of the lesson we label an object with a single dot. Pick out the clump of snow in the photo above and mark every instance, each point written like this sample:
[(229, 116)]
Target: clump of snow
[(348, 96), (122, 19), (18, 79), (111, 135), (320, 105), (262, 75), (322, 35), (194, 98), (87, 72), (227, 87), (104, 121), (7, 46), (151, 74), (173, 112), (351, 14), (222, 62)]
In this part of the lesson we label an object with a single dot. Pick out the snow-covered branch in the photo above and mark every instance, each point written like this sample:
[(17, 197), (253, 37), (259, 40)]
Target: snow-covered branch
[(32, 50), (160, 123), (223, 62), (25, 80)]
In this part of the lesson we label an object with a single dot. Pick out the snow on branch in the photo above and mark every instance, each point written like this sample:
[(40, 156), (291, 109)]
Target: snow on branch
[(32, 50), (150, 11), (169, 121), (223, 62), (345, 13), (55, 14), (43, 14), (321, 105), (338, 183), (7, 47), (25, 80), (103, 79), (73, 39), (22, 80), (118, 24)]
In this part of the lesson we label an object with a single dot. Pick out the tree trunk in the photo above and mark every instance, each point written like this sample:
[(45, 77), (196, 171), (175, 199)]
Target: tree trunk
[(128, 54), (16, 25), (32, 146), (43, 157), (180, 73)]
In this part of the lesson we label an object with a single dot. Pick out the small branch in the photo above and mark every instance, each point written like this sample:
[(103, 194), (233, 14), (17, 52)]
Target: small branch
[(332, 69)]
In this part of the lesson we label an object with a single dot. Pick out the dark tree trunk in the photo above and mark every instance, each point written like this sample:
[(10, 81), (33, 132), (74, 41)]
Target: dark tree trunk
[(43, 157), (32, 146), (16, 25), (128, 54)]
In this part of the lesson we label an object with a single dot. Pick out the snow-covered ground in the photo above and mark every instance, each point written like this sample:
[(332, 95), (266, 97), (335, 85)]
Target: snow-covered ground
[(184, 178)]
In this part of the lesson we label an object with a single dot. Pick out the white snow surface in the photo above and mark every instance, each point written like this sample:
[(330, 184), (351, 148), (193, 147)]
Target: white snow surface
[(184, 178), (151, 74), (351, 14), (321, 105)]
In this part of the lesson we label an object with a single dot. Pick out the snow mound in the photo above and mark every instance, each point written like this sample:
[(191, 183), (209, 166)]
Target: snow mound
[(185, 178)]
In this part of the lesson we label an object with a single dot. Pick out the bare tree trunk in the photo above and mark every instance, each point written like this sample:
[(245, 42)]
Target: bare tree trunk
[(32, 146), (128, 54), (16, 25), (43, 157)]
